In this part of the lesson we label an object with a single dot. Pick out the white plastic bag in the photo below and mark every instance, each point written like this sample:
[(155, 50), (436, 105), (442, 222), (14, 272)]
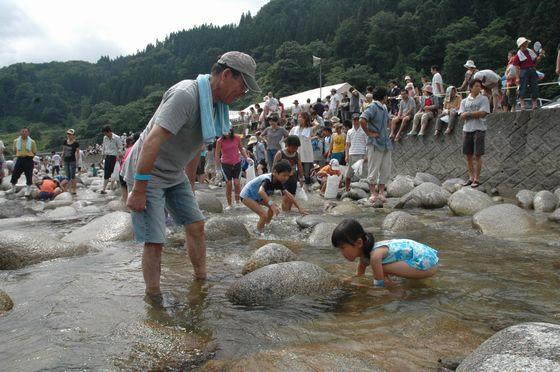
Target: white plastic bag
[(116, 171), (331, 191), (343, 171), (358, 167), (445, 119), (250, 172), (301, 195)]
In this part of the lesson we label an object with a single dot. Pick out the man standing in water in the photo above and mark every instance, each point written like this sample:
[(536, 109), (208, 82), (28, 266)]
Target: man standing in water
[(191, 113)]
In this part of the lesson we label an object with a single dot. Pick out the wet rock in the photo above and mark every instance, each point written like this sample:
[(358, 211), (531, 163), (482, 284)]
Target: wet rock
[(6, 303), (360, 185), (523, 347), (525, 198), (427, 195), (497, 199), (468, 201), (268, 254), (555, 216), (65, 196), (8, 223), (208, 202), (218, 228), (453, 184), (421, 177), (400, 186), (110, 227), (321, 235), (494, 191), (90, 209), (309, 221), (450, 363), (355, 194), (399, 221), (273, 283), (14, 209), (344, 208), (5, 185), (62, 213), (544, 201), (19, 249), (557, 195), (503, 220)]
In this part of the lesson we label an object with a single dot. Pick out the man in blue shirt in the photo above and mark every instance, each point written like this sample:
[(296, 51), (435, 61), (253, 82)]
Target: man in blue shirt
[(374, 121)]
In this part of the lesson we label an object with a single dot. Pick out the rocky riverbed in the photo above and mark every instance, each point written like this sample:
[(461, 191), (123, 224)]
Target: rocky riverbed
[(71, 288)]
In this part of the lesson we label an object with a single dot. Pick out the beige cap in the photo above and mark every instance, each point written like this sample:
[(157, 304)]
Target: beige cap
[(470, 64), (245, 64), (70, 131), (522, 40)]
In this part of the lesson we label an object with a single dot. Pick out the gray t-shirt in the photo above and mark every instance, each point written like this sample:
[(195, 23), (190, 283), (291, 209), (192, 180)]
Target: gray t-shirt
[(470, 104), (273, 137), (405, 106), (178, 113)]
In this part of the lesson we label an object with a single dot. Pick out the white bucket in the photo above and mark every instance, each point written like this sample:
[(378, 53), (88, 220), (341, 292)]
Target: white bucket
[(250, 172), (331, 191)]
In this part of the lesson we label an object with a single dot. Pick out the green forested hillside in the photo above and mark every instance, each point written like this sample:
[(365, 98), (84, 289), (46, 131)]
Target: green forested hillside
[(361, 41)]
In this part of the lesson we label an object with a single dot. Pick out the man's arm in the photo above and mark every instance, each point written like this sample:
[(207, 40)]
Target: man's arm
[(369, 133), (190, 169)]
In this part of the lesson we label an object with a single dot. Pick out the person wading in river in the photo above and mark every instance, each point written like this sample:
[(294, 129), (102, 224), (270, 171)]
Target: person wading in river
[(191, 113)]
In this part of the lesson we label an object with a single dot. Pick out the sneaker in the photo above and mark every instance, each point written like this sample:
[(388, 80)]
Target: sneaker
[(411, 134), (27, 190)]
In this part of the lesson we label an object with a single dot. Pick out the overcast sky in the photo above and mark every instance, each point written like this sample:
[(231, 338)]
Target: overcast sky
[(62, 30)]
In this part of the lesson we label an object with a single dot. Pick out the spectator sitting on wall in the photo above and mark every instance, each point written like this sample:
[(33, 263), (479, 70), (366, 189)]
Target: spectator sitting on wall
[(491, 84), (473, 111), (428, 110), (526, 60), (451, 105), (469, 74), (367, 102), (425, 81), (334, 103), (271, 106), (409, 85), (405, 114), (512, 77), (306, 107)]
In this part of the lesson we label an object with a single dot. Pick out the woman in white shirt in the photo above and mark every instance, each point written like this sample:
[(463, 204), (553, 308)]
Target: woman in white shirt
[(305, 132)]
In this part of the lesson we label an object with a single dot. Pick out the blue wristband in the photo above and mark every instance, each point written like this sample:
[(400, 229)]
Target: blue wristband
[(142, 177), (378, 283), (270, 202)]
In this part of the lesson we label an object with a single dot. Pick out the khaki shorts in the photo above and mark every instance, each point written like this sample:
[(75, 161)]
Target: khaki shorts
[(352, 159)]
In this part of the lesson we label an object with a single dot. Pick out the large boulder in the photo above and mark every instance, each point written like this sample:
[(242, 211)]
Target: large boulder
[(321, 235), (110, 227), (61, 213), (274, 283), (557, 195), (525, 198), (22, 248), (399, 221), (208, 202), (15, 208), (116, 206), (268, 254), (503, 220), (309, 220), (469, 201), (426, 195), (218, 228), (453, 184), (360, 185), (345, 208), (522, 347), (400, 186), (544, 201), (421, 178), (6, 303)]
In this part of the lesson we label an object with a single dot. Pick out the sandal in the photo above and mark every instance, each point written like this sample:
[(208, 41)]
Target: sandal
[(475, 184), (372, 199), (468, 183)]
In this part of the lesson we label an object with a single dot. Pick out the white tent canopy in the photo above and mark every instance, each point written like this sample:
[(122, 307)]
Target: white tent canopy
[(302, 97)]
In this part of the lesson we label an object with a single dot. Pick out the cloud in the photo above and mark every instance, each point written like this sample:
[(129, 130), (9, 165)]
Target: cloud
[(43, 31)]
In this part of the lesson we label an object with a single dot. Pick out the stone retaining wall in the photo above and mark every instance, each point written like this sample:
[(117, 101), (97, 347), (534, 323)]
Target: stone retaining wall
[(522, 152)]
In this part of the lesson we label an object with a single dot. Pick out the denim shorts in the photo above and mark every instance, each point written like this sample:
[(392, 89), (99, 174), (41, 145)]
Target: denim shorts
[(70, 169), (180, 202)]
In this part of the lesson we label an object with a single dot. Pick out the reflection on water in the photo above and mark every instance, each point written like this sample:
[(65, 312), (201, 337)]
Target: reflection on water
[(90, 312)]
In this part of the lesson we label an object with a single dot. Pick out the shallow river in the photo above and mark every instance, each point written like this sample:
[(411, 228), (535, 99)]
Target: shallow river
[(90, 313)]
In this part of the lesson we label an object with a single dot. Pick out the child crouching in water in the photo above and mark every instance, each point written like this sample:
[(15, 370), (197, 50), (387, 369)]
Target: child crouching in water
[(257, 192), (400, 257)]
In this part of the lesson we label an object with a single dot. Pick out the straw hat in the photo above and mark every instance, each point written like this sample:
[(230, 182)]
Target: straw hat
[(470, 64), (252, 139), (522, 40), (335, 120)]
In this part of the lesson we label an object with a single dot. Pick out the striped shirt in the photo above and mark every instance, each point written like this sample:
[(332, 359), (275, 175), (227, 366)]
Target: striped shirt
[(357, 140)]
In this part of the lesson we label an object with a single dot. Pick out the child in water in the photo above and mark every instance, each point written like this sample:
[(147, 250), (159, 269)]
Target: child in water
[(400, 257), (257, 192)]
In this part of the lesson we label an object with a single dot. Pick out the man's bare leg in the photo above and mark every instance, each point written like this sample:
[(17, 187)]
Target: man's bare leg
[(151, 267), (196, 247)]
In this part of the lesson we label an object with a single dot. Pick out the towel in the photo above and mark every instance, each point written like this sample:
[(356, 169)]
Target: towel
[(214, 124), (27, 144), (522, 57)]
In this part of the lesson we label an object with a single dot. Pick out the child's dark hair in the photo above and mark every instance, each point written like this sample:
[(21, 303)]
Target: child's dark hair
[(263, 163), (282, 166), (348, 231), (474, 81), (230, 135), (293, 141)]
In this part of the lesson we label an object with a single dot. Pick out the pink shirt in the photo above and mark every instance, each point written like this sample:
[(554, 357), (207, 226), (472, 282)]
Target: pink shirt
[(230, 150), (127, 151)]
